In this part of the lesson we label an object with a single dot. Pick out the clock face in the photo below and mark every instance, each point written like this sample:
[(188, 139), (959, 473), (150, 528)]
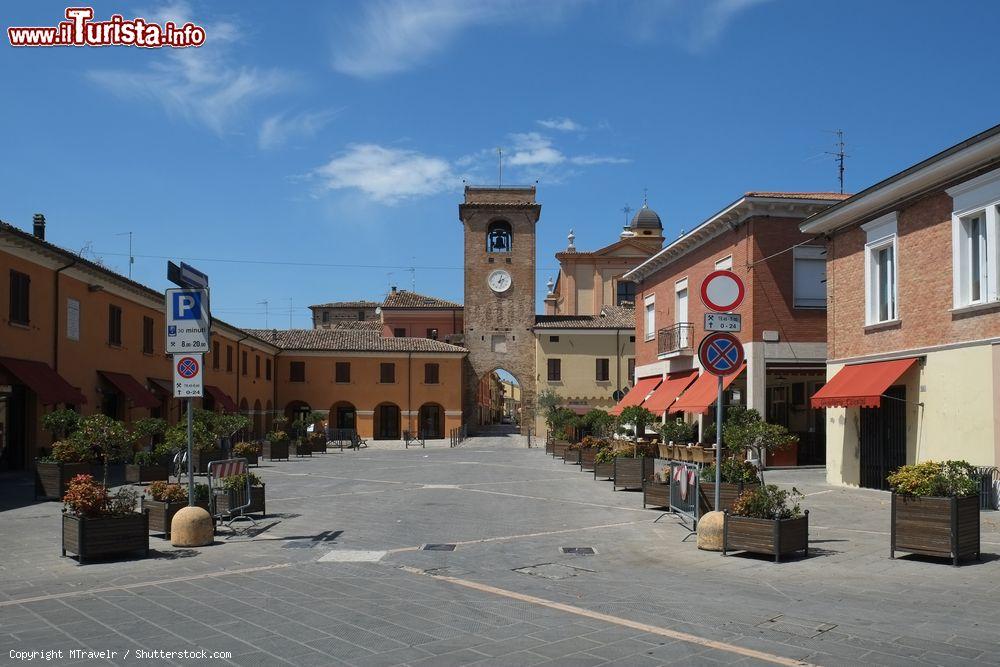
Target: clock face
[(499, 281)]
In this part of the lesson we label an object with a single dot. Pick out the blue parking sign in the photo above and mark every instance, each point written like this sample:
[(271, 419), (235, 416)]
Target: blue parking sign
[(186, 305)]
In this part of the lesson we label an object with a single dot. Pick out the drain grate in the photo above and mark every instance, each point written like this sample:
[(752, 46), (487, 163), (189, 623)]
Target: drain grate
[(579, 551), (438, 547), (552, 571), (799, 627)]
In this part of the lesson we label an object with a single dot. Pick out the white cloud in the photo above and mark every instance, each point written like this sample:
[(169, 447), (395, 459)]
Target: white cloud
[(561, 124), (198, 84), (696, 26), (715, 17), (387, 175), (587, 160), (280, 128), (531, 148)]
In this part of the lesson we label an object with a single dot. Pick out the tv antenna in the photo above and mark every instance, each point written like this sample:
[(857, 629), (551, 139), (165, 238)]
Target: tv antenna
[(264, 303), (500, 167), (626, 210), (131, 258), (413, 275), (839, 156)]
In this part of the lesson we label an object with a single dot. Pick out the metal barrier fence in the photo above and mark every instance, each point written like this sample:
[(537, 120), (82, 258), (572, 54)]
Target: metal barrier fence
[(530, 433), (989, 488), (684, 480), (458, 435), (237, 499), (344, 437), (408, 439)]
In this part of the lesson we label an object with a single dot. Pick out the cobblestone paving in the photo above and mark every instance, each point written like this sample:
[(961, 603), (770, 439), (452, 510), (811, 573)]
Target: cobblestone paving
[(289, 591)]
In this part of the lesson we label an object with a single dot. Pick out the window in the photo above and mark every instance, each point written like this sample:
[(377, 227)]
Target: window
[(431, 373), (20, 289), (976, 240), (726, 263), (342, 372), (296, 371), (326, 316), (631, 371), (809, 277), (555, 370), (498, 237), (650, 320), (114, 326), (72, 319), (631, 339), (553, 339), (387, 373), (215, 355), (243, 363), (603, 370), (229, 358), (399, 332), (267, 369), (626, 292), (147, 335), (432, 334), (256, 365), (881, 270)]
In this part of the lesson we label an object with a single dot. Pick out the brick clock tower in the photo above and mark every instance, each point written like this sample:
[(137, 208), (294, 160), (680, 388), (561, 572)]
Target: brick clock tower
[(499, 291)]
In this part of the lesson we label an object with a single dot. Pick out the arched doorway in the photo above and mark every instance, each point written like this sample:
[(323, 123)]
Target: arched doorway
[(295, 411), (431, 423), (343, 415), (258, 421), (387, 422), (498, 398)]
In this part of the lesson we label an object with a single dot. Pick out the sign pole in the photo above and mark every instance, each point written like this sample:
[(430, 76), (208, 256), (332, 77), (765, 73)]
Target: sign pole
[(718, 448), (190, 433)]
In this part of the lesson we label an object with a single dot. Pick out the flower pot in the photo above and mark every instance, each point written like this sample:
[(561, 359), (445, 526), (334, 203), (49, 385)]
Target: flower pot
[(631, 473), (319, 446), (728, 493), (89, 537), (201, 458), (656, 494), (935, 526), (162, 513), (252, 459), (549, 446), (275, 450), (224, 501), (303, 449), (772, 537), (51, 478), (559, 448), (572, 456), (604, 470), (587, 455), (136, 473)]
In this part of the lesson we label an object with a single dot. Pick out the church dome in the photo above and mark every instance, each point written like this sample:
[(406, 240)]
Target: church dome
[(646, 218)]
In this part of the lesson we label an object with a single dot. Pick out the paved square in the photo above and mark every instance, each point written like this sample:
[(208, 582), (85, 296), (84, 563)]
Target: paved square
[(338, 575)]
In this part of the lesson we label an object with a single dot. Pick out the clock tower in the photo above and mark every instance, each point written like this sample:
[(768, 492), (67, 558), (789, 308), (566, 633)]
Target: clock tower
[(499, 303)]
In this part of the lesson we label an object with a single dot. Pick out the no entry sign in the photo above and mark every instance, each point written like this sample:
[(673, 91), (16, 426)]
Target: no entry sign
[(721, 354), (722, 291)]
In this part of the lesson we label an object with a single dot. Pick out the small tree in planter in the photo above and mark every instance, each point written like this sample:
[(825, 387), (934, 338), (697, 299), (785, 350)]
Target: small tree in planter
[(61, 423), (53, 472), (638, 418), (766, 520), (737, 476), (203, 445), (107, 437), (744, 430), (164, 500), (96, 524), (935, 510), (561, 422), (226, 500), (145, 467), (598, 423), (247, 450), (145, 431), (276, 445)]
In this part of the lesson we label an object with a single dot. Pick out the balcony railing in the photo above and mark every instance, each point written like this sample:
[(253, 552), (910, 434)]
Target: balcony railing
[(674, 339)]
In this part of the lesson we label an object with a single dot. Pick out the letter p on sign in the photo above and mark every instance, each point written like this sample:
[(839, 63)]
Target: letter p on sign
[(187, 306)]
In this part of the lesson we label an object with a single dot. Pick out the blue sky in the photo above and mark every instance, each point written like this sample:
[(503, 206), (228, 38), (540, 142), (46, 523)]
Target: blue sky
[(321, 152)]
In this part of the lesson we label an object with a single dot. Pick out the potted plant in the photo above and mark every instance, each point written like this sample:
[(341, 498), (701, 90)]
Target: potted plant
[(589, 447), (562, 421), (737, 474), (147, 433), (676, 433), (96, 524), (145, 467), (766, 520), (744, 431), (935, 510), (572, 453), (163, 500), (204, 441), (604, 463), (548, 402), (656, 490), (631, 472), (53, 472), (247, 450), (228, 498), (276, 445)]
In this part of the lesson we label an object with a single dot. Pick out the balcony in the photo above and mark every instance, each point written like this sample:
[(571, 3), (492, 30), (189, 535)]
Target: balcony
[(674, 340)]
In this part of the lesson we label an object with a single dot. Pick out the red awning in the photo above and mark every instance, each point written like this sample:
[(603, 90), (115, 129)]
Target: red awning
[(701, 395), (669, 390), (228, 404), (861, 385), (162, 386), (637, 394), (50, 387), (130, 387)]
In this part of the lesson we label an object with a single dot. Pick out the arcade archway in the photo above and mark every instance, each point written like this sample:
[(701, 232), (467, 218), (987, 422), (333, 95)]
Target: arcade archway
[(498, 399)]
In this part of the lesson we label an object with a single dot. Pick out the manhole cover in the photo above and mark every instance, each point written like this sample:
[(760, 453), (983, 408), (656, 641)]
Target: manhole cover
[(352, 556), (579, 551), (799, 627), (552, 570), (438, 547)]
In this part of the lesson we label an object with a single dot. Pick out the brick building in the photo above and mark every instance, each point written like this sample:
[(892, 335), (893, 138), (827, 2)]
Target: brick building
[(914, 317), (784, 316), (406, 313), (329, 315)]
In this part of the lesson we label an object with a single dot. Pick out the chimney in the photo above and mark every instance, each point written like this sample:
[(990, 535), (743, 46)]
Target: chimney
[(39, 226), (393, 289)]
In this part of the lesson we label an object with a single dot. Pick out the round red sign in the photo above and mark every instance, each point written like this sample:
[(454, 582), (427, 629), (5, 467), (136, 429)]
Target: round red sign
[(722, 291), (721, 353)]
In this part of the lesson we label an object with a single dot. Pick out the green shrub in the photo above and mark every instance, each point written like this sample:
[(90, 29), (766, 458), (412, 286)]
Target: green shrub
[(933, 478), (734, 471), (245, 449), (70, 451), (677, 431), (145, 459), (165, 492), (61, 423), (236, 482), (768, 502)]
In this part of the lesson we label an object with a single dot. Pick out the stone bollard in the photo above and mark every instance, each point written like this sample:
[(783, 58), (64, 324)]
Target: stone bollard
[(192, 527), (710, 531)]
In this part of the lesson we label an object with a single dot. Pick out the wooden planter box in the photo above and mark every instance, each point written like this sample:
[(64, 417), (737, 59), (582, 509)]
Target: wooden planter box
[(943, 527), (51, 478), (104, 536), (631, 473), (549, 446), (559, 448), (572, 456), (587, 455), (303, 449), (252, 459), (140, 474), (604, 470), (224, 501), (765, 536), (318, 447), (656, 494), (162, 513), (201, 459), (727, 494), (275, 450)]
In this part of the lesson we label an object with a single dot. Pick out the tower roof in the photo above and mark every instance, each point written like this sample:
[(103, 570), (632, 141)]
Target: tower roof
[(645, 218)]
